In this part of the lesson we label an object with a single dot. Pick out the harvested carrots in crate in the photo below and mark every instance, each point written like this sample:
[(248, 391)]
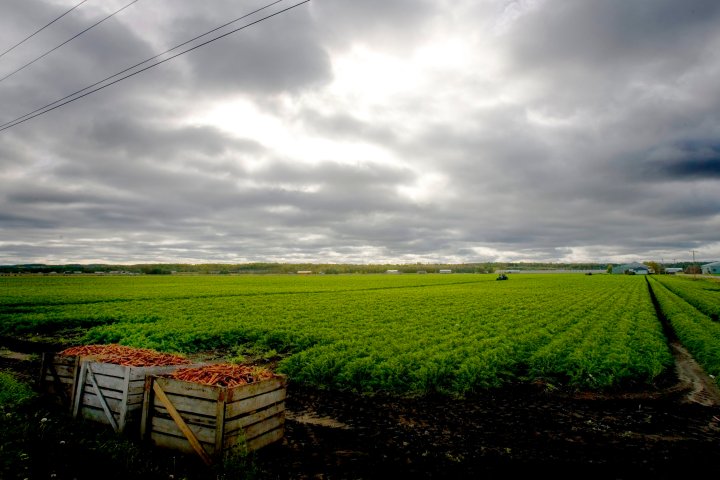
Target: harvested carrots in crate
[(126, 356), (223, 375)]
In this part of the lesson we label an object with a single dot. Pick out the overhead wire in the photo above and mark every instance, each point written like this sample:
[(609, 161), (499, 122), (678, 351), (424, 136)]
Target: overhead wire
[(67, 41), (40, 30), (11, 125), (142, 63)]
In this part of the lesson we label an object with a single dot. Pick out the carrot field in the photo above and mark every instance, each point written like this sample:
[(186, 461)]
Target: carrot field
[(407, 334)]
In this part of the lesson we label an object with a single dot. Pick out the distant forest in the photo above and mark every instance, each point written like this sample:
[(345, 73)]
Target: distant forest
[(289, 268)]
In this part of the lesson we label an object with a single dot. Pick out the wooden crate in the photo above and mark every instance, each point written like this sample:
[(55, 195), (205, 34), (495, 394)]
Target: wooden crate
[(113, 394), (213, 420), (58, 377)]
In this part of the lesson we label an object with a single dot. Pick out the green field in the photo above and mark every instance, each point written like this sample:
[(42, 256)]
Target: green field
[(453, 334)]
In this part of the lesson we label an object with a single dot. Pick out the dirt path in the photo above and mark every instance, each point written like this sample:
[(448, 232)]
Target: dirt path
[(702, 388)]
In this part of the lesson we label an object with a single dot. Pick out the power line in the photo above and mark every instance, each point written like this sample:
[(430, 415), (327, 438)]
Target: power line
[(140, 63), (153, 65), (40, 30), (67, 41)]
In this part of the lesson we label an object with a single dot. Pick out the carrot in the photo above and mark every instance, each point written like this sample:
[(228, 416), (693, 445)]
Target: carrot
[(225, 375), (126, 356)]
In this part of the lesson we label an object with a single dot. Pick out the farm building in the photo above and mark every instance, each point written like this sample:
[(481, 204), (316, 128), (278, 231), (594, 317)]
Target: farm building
[(304, 272), (672, 270), (711, 268), (445, 271), (634, 268), (392, 271)]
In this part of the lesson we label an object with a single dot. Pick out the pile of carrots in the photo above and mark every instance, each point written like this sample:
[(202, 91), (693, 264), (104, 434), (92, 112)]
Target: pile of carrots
[(223, 374), (126, 356)]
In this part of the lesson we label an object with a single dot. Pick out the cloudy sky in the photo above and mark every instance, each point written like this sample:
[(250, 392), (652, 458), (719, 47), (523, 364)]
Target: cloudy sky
[(346, 131)]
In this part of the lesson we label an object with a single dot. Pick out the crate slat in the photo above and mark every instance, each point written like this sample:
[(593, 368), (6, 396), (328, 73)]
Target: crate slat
[(221, 419), (122, 388), (169, 427), (251, 404), (232, 426)]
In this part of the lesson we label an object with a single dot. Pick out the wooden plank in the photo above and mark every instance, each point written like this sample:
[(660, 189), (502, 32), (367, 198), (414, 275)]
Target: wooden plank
[(108, 369), (176, 443), (265, 439), (253, 389), (241, 422), (48, 379), (119, 384), (89, 398), (147, 399), (79, 390), (169, 427), (136, 398), (220, 420), (97, 414), (103, 402), (204, 420), (94, 414), (193, 405), (107, 392), (160, 395), (65, 371), (124, 401), (189, 389), (239, 441), (265, 426), (236, 409)]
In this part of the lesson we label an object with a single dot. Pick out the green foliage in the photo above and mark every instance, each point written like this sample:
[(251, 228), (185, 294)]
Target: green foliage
[(453, 334), (701, 293), (696, 330), (13, 392)]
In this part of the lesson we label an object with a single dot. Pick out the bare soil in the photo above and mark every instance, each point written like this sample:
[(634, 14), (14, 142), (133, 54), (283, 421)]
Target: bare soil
[(669, 431)]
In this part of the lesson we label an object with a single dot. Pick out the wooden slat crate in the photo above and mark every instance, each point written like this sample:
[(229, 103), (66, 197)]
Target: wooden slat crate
[(212, 420), (113, 394), (58, 377)]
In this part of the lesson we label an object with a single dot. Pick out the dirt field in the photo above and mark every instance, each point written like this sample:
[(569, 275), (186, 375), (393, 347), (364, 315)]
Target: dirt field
[(667, 432)]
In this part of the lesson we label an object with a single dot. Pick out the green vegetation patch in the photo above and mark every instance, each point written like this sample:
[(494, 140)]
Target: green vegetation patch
[(697, 331), (453, 334)]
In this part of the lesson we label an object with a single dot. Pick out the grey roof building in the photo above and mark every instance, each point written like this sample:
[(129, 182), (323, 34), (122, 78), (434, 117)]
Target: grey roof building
[(635, 267), (711, 268)]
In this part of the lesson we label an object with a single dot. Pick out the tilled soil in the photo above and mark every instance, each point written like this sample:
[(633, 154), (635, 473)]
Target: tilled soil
[(669, 431)]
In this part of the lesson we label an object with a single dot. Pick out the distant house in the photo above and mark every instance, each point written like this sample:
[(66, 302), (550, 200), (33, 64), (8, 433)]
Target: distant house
[(673, 270), (711, 268), (634, 268), (445, 271)]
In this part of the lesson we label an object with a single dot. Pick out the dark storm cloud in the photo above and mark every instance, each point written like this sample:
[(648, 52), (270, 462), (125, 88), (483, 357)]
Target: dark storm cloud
[(688, 160)]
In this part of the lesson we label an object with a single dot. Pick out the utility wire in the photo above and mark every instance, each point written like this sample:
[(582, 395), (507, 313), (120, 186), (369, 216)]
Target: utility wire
[(140, 63), (67, 41), (40, 30), (154, 65)]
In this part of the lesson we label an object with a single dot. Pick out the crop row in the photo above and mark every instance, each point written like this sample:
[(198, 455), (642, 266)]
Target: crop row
[(700, 293), (452, 333), (697, 331)]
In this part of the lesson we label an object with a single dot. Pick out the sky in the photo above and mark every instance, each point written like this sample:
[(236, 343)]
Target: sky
[(341, 131)]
